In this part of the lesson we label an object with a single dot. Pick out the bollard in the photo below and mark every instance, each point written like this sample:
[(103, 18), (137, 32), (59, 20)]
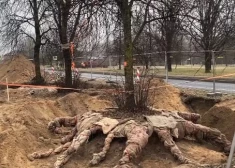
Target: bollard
[(230, 158), (91, 68), (116, 77)]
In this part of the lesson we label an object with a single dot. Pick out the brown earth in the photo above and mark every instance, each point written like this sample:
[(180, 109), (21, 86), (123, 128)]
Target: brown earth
[(18, 69), (23, 123), (167, 97), (221, 116), (76, 103), (23, 130)]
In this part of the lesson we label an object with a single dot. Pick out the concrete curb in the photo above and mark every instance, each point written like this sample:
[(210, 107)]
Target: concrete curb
[(171, 77)]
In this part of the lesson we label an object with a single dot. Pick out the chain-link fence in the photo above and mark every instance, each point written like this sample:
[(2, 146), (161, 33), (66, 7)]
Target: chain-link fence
[(213, 71)]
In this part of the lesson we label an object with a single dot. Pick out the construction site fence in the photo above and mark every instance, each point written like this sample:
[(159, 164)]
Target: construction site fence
[(180, 68)]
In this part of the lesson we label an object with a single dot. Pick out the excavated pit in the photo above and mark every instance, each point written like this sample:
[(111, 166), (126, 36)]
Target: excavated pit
[(23, 130), (23, 122)]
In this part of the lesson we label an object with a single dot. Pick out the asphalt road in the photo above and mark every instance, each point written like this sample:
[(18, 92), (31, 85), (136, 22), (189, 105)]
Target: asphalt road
[(220, 87)]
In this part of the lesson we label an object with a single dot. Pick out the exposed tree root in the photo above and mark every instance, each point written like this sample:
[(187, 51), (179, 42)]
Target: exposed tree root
[(168, 126)]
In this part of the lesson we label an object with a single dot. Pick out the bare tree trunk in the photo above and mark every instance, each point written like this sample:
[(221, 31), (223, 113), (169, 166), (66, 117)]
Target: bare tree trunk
[(120, 50), (169, 66), (207, 62), (150, 47), (128, 55), (67, 61), (64, 40), (169, 39), (147, 62), (119, 62), (68, 72), (226, 60), (38, 78)]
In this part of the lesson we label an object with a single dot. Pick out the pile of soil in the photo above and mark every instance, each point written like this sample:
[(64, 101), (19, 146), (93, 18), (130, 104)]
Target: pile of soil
[(18, 69), (23, 130), (167, 97), (96, 84), (222, 117), (23, 125), (79, 103)]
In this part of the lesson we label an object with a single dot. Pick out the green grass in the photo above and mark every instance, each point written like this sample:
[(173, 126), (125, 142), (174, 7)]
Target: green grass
[(197, 71), (186, 70)]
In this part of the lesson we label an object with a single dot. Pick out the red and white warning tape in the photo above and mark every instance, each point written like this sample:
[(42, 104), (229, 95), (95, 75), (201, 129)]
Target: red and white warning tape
[(138, 74), (53, 70)]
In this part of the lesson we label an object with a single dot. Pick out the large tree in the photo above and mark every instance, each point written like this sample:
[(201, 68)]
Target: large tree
[(25, 18), (169, 26), (210, 24), (125, 8), (71, 19), (167, 31)]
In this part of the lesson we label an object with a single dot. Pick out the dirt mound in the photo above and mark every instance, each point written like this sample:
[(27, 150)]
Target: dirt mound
[(167, 96), (20, 128), (23, 130), (78, 103), (96, 84), (228, 103), (23, 126), (222, 117), (17, 70)]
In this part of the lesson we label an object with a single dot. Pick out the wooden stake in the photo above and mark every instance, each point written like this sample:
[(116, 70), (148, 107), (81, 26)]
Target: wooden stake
[(8, 97)]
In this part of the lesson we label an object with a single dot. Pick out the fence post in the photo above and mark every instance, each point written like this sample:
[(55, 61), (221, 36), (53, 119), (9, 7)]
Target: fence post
[(91, 68), (116, 77), (110, 65), (213, 59), (166, 66), (230, 158)]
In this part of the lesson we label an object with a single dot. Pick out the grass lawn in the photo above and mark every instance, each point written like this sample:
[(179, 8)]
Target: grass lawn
[(186, 70)]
